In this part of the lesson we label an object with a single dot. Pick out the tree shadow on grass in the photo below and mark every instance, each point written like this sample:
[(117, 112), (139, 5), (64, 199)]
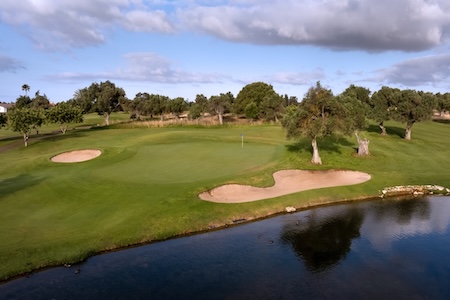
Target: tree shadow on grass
[(11, 185), (329, 144), (391, 130), (443, 121), (50, 137)]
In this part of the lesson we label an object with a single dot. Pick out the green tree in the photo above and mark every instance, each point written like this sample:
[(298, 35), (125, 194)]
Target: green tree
[(413, 107), (382, 105), (443, 103), (108, 98), (103, 98), (251, 111), (177, 106), (195, 111), (220, 104), (40, 101), (292, 100), (23, 102), (139, 105), (158, 105), (355, 101), (318, 115), (253, 92), (63, 114), (23, 120), (201, 103), (84, 98), (271, 107)]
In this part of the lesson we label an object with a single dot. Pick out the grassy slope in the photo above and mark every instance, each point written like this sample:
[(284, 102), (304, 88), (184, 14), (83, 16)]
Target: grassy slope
[(145, 185)]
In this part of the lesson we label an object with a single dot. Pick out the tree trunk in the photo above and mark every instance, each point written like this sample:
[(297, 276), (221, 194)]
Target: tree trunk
[(106, 116), (25, 139), (220, 119), (316, 157), (408, 131), (63, 128), (383, 129), (363, 145)]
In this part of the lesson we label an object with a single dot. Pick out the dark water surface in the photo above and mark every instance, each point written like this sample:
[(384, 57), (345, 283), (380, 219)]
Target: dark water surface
[(366, 250)]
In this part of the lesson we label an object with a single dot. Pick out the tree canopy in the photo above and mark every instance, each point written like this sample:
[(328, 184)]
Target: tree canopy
[(253, 93)]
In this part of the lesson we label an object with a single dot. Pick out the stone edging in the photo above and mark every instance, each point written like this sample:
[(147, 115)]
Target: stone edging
[(414, 190)]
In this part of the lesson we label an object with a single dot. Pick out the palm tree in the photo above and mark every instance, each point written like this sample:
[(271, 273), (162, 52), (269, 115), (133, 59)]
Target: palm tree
[(25, 88)]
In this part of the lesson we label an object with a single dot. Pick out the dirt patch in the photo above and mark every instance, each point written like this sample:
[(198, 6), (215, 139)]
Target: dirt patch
[(76, 156), (286, 182)]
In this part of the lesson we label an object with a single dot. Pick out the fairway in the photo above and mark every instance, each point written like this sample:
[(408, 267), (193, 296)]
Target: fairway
[(145, 184)]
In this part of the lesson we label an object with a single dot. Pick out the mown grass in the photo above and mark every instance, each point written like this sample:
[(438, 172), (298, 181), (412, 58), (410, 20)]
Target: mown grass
[(145, 184)]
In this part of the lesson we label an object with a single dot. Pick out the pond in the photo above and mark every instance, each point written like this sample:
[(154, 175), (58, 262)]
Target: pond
[(375, 249)]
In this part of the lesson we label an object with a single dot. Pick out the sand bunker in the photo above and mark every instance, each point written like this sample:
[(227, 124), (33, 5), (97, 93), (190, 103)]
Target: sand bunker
[(286, 182), (76, 156)]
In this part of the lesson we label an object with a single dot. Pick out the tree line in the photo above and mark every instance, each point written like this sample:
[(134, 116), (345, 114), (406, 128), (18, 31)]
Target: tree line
[(318, 114), (321, 113), (255, 101)]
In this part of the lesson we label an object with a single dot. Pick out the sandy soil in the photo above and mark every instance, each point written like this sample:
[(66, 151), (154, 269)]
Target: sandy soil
[(76, 156), (286, 182)]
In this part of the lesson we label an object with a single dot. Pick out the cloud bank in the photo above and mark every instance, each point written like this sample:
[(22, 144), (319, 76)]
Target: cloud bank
[(366, 25), (428, 70)]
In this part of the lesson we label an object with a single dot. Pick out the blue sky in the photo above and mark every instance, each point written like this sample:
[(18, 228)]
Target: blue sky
[(189, 47)]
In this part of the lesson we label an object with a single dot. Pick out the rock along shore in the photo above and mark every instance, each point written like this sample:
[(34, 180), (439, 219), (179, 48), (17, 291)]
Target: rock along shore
[(414, 190)]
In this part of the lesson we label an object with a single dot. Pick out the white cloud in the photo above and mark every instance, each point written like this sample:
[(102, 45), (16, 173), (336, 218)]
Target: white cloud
[(144, 67), (148, 21), (298, 78), (65, 24)]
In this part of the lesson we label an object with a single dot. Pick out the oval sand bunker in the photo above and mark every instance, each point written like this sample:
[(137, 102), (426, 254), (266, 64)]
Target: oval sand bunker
[(76, 156)]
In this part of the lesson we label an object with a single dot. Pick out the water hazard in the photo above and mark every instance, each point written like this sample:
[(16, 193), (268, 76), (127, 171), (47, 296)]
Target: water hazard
[(370, 250)]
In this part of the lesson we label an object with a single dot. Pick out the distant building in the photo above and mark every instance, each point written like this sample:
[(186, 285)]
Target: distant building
[(5, 106)]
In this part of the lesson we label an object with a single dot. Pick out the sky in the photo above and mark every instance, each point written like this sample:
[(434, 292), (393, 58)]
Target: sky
[(182, 48)]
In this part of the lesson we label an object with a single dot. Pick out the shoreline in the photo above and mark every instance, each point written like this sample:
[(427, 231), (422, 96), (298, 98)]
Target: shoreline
[(230, 223)]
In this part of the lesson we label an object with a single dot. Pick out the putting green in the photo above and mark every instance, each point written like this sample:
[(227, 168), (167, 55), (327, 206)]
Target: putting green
[(187, 162)]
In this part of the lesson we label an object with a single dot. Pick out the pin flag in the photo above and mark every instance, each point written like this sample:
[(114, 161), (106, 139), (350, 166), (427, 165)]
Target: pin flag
[(242, 140)]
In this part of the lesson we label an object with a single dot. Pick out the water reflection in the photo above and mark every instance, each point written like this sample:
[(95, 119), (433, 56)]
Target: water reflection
[(388, 221), (403, 211), (323, 240)]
